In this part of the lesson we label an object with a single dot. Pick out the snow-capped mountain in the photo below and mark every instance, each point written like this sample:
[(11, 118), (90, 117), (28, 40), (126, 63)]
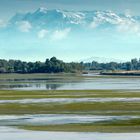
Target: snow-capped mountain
[(101, 60), (50, 18), (59, 19)]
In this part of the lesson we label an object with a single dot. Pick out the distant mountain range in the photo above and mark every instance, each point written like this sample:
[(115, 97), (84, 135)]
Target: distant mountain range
[(101, 60), (43, 18)]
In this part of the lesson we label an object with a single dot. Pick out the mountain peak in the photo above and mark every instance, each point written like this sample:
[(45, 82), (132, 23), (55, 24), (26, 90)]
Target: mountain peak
[(45, 10), (42, 10)]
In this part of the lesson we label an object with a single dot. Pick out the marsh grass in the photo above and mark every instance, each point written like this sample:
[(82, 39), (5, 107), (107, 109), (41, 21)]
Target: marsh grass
[(14, 94), (106, 108)]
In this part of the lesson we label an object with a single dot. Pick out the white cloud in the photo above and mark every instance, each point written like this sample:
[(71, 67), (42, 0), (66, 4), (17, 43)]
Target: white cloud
[(97, 21), (2, 24), (94, 24), (24, 26), (60, 34), (42, 33), (129, 26)]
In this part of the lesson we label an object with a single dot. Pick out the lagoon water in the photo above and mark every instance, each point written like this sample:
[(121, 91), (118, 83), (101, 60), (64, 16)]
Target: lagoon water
[(87, 82)]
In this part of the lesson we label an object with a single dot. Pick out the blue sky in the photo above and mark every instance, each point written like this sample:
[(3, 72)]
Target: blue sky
[(120, 45)]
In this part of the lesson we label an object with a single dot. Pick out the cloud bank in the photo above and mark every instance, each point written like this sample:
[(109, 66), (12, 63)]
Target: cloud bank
[(60, 34), (24, 26)]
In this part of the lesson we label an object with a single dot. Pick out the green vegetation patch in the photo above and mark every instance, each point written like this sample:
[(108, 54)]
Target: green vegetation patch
[(105, 108), (14, 94)]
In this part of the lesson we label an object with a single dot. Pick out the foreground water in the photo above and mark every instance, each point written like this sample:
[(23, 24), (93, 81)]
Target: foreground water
[(8, 133), (23, 108), (70, 100), (55, 119)]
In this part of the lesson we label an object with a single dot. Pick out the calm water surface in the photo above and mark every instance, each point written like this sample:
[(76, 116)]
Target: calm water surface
[(69, 100), (7, 133), (88, 82)]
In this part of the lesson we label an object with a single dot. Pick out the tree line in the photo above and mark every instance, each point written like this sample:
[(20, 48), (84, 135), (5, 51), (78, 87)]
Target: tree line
[(134, 64), (54, 65)]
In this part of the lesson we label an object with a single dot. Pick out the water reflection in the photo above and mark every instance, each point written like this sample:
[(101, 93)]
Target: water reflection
[(67, 84), (53, 86), (32, 86)]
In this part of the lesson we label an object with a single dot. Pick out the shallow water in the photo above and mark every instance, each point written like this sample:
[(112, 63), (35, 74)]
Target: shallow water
[(7, 133), (88, 82), (60, 84), (69, 100), (53, 119)]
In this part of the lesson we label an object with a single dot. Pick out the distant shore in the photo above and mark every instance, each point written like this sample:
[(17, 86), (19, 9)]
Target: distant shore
[(122, 73)]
